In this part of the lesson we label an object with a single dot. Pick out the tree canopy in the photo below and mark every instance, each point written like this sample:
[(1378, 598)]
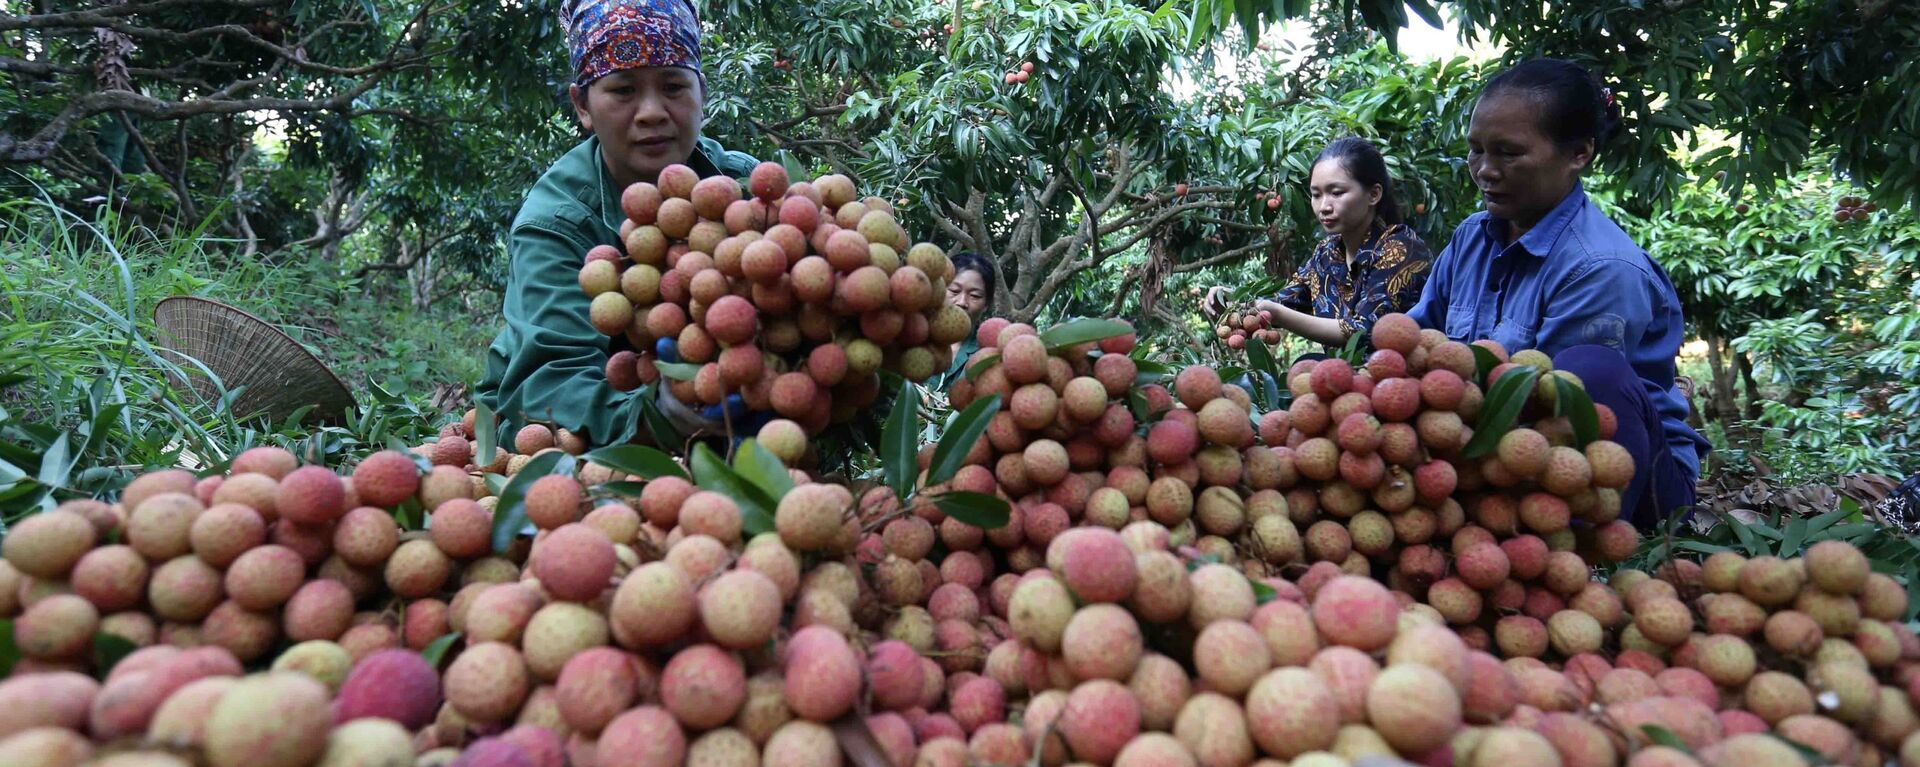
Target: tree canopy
[(307, 124)]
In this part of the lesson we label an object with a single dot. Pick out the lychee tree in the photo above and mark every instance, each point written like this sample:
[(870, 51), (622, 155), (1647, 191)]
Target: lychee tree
[(1785, 79), (1046, 138), (154, 106), (1060, 142), (1263, 132), (1804, 319)]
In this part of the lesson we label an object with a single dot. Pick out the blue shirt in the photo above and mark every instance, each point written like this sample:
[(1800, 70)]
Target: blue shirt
[(1574, 279)]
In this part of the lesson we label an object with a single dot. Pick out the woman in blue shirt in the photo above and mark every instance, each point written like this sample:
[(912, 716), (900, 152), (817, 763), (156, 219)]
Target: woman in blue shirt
[(1542, 268)]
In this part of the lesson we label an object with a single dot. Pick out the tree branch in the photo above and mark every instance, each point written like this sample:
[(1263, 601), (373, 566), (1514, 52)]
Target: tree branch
[(40, 145), (1221, 258), (959, 235), (117, 96), (410, 255), (807, 146), (813, 113), (1143, 229), (176, 184), (296, 55), (91, 17), (236, 179)]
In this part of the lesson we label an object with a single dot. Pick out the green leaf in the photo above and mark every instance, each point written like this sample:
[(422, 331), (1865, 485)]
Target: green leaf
[(712, 473), (1082, 331), (1355, 350), (1151, 371), (9, 652), (1263, 593), (962, 430), (1913, 594), (1821, 523), (496, 483), (1426, 12), (899, 438), (988, 512), (409, 515), (1261, 360), (976, 369), (1571, 400), (437, 649), (1700, 547), (1278, 397), (1795, 536), (57, 463), (1750, 545), (108, 649), (510, 516), (678, 371), (1662, 736), (485, 429), (638, 460), (760, 466), (1249, 18), (663, 431), (1484, 362), (1858, 530), (1502, 406)]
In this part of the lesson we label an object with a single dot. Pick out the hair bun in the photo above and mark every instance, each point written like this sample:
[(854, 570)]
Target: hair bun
[(1574, 105), (1608, 124)]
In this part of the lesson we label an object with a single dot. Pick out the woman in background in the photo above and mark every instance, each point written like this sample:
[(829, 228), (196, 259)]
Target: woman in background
[(1370, 263), (971, 289)]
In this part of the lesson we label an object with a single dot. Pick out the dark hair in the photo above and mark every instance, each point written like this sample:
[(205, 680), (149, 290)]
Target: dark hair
[(969, 261), (1363, 162), (1575, 107)]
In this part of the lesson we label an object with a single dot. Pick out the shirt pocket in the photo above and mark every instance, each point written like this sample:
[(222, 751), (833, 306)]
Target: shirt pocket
[(1516, 333), (1461, 319)]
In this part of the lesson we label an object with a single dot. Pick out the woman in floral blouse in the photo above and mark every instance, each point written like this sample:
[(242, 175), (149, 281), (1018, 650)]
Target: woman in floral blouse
[(1370, 264)]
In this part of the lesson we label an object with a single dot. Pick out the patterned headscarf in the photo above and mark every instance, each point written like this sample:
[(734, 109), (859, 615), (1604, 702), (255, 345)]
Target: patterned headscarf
[(606, 36)]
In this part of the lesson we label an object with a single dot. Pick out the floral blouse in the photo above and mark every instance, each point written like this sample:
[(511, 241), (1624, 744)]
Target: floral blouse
[(1387, 275)]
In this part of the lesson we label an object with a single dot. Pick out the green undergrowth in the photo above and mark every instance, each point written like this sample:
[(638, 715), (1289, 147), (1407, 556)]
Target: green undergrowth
[(88, 396)]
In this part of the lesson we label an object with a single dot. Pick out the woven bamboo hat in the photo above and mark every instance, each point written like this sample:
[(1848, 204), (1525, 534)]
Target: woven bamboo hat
[(279, 375)]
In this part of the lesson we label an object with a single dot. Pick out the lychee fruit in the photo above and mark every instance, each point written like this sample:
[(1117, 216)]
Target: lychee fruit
[(1356, 612), (386, 478)]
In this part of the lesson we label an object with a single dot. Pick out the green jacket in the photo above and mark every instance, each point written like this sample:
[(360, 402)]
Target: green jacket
[(548, 364), (957, 368)]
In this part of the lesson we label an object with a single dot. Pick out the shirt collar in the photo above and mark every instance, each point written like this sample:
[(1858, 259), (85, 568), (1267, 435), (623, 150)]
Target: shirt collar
[(1540, 240), (1335, 249), (611, 213)]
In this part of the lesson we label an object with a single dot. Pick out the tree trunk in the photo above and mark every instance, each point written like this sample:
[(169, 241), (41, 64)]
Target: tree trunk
[(424, 280), (1746, 377), (1725, 407)]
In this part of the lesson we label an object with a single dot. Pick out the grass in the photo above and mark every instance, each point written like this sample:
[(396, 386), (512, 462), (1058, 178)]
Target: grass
[(87, 398)]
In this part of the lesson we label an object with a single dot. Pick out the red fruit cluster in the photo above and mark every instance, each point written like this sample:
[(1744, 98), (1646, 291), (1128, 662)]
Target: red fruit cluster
[(794, 297)]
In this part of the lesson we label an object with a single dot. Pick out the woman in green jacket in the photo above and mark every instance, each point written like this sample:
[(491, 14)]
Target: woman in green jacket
[(972, 290), (639, 91)]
